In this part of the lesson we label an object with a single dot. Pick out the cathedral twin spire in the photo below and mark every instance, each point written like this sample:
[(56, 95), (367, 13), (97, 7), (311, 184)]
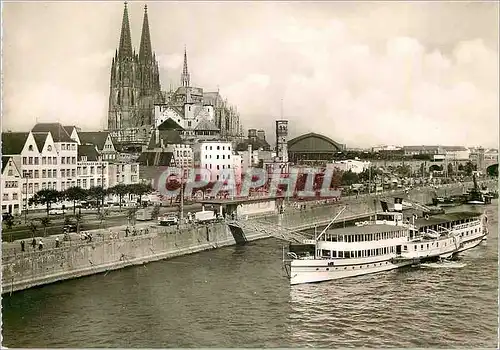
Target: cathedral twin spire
[(125, 49)]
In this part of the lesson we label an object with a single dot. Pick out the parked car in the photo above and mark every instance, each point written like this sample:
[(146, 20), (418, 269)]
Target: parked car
[(7, 216), (168, 220), (69, 228), (56, 211)]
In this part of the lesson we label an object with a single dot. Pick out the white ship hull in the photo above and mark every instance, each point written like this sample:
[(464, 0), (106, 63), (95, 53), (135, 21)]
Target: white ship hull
[(378, 247), (309, 274)]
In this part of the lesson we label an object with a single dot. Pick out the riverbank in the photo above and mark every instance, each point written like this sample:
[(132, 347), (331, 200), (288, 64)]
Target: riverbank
[(112, 249)]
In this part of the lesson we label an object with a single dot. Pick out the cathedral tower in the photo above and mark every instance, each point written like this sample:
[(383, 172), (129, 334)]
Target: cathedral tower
[(134, 86)]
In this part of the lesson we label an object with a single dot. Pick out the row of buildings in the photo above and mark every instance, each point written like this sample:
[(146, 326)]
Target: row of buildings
[(53, 156), (481, 157)]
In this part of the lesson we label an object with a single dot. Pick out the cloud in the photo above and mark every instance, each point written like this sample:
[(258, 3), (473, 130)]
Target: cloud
[(348, 71)]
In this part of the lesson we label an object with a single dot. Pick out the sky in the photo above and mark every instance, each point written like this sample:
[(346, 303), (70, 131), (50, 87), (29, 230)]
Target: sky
[(361, 73)]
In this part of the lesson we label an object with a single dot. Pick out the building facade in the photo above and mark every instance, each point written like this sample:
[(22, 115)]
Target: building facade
[(92, 170), (45, 157), (216, 157), (123, 173), (11, 187)]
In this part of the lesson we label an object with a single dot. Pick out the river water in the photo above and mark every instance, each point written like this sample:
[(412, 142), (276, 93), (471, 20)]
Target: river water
[(240, 297)]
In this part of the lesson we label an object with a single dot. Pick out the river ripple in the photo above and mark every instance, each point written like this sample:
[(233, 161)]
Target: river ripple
[(240, 297)]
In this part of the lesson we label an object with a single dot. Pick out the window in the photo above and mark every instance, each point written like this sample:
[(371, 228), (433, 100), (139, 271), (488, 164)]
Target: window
[(5, 196), (30, 148), (54, 160), (44, 160), (37, 174), (24, 160), (63, 147), (30, 160), (72, 172), (63, 174), (62, 160), (10, 172), (217, 167), (14, 196), (49, 148), (36, 160)]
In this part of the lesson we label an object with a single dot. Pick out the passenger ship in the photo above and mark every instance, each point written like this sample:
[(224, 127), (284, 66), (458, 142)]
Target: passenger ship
[(388, 242)]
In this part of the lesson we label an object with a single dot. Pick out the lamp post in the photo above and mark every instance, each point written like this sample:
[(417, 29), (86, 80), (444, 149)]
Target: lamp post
[(26, 202)]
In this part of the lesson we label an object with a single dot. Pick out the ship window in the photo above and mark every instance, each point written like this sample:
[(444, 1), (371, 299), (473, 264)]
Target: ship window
[(341, 254), (325, 253), (415, 247), (437, 244), (334, 253), (427, 245), (359, 254), (347, 255), (421, 247), (334, 238)]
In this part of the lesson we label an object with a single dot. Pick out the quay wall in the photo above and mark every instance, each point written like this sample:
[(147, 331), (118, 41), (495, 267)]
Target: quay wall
[(23, 270), (114, 250)]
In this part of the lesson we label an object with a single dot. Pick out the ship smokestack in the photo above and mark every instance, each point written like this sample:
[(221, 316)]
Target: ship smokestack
[(398, 205)]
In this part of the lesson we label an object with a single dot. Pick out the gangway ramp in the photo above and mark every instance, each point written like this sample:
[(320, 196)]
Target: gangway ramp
[(238, 229)]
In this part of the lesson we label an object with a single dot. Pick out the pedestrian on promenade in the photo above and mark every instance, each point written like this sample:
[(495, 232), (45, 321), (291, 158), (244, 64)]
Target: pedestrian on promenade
[(33, 243), (57, 242), (40, 245), (22, 246)]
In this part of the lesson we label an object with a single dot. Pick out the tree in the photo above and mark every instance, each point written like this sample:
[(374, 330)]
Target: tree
[(9, 223), (469, 168), (349, 178), (46, 197), (75, 194), (45, 222), (155, 212), (120, 190), (33, 228), (78, 219), (97, 193), (102, 216), (140, 189), (131, 216), (450, 169)]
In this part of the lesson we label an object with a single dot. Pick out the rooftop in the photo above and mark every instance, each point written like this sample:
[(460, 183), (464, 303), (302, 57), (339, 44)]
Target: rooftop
[(59, 134), (97, 138), (13, 142)]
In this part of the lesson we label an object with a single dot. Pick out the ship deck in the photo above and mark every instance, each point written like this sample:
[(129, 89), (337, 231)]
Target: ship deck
[(445, 218)]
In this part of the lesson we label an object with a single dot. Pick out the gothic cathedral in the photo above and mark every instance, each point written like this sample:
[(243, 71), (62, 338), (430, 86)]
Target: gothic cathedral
[(135, 86)]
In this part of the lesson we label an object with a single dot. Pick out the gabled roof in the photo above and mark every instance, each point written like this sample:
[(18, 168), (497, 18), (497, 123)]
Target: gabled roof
[(168, 137), (59, 134), (256, 144), (170, 124), (89, 151), (40, 138), (206, 125), (97, 138), (69, 128), (5, 160), (155, 158), (13, 142)]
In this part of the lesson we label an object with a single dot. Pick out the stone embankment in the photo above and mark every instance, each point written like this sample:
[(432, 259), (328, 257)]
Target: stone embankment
[(112, 249)]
